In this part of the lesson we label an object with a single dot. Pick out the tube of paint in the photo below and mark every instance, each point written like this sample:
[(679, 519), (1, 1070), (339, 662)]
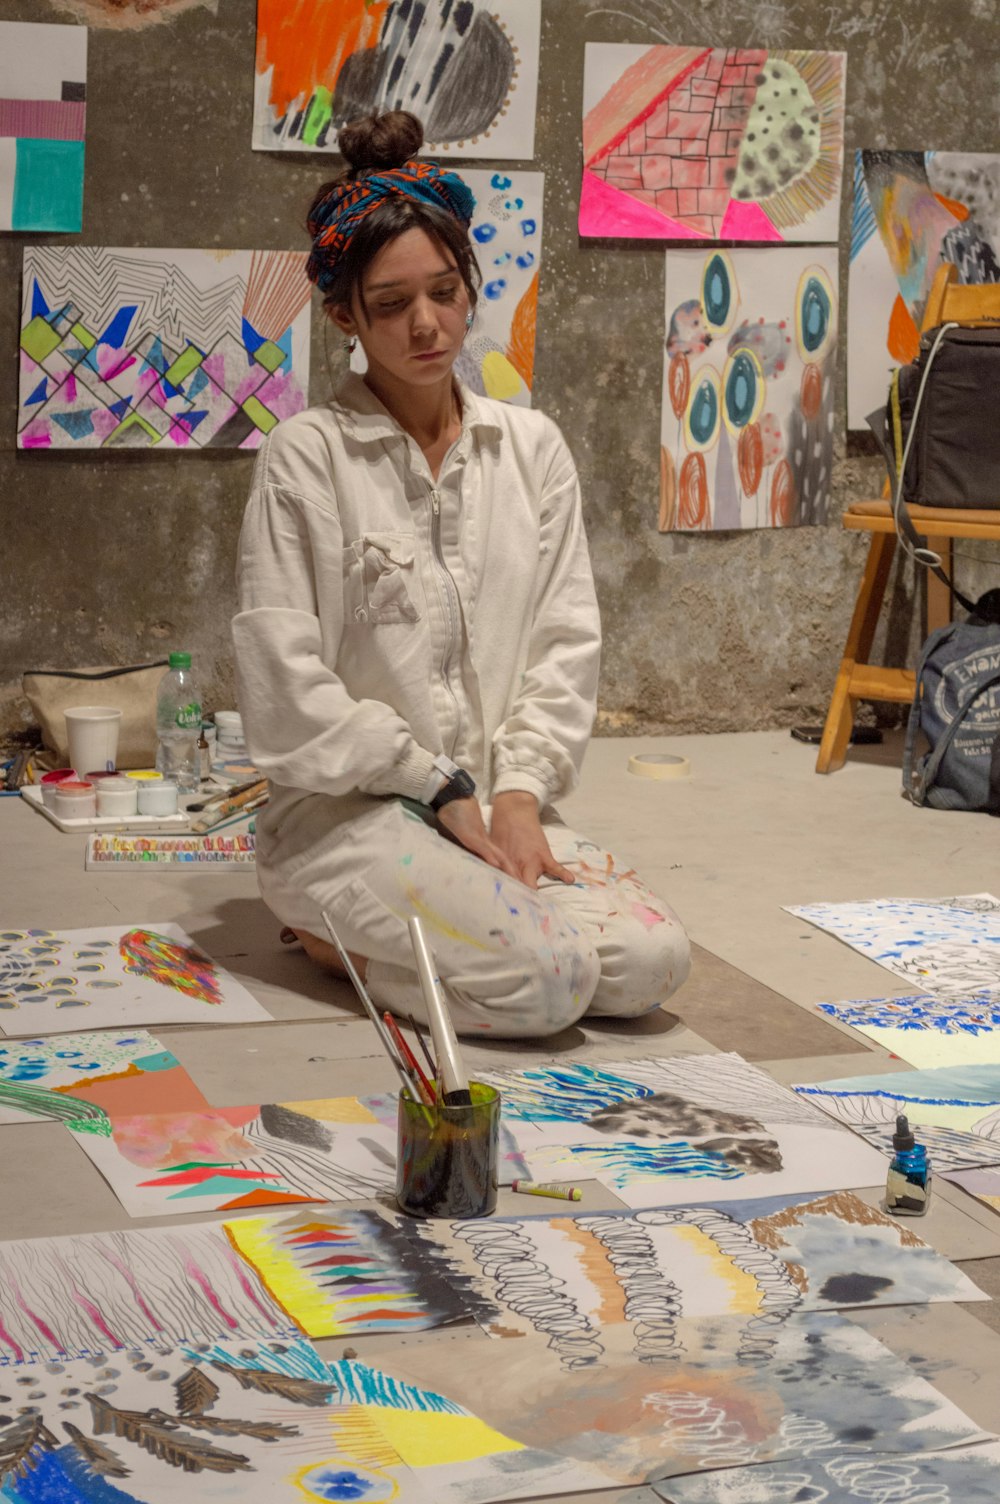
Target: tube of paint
[(908, 1183), (544, 1188)]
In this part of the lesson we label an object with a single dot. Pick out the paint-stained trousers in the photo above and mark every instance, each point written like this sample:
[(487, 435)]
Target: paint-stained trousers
[(512, 961)]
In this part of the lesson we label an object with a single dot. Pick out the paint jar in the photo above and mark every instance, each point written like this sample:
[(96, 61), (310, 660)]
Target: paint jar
[(117, 796), (50, 782), (446, 1162), (158, 797), (144, 775), (75, 800)]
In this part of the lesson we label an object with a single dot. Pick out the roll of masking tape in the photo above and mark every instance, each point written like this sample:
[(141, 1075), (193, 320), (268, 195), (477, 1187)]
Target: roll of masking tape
[(659, 765)]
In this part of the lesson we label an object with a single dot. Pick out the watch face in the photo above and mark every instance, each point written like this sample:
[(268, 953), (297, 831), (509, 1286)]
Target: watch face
[(461, 785)]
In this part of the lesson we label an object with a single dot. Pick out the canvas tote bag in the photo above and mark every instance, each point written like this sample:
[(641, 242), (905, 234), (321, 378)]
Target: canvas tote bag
[(51, 692)]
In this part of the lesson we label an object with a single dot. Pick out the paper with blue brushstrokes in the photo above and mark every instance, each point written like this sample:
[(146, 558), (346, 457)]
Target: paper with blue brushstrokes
[(927, 1031), (949, 947)]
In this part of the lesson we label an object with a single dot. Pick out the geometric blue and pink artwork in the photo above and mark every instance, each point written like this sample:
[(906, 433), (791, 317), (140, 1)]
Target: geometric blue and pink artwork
[(43, 109), (170, 349)]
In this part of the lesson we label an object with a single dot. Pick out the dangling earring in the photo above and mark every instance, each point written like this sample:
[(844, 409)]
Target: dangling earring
[(470, 319), (350, 343)]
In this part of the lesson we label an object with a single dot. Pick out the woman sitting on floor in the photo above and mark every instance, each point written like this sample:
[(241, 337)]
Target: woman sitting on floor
[(418, 641)]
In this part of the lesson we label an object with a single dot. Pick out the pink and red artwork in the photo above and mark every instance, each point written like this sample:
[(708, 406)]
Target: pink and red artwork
[(712, 143)]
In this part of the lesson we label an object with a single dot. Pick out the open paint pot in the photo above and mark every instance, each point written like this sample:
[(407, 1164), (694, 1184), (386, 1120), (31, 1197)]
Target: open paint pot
[(75, 799), (446, 1163), (157, 796), (117, 796), (50, 782)]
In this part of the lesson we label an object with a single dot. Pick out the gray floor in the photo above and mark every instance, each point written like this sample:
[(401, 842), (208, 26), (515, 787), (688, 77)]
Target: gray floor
[(753, 828)]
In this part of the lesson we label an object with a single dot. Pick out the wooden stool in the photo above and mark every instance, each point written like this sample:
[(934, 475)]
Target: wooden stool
[(857, 679)]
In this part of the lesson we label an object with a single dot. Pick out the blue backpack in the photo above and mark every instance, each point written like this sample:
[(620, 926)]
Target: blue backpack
[(957, 707)]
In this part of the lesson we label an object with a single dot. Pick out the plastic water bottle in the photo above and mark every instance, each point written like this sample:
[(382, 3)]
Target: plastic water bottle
[(178, 725)]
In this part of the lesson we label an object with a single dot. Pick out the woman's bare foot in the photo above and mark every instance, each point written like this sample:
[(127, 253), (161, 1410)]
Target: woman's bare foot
[(322, 952)]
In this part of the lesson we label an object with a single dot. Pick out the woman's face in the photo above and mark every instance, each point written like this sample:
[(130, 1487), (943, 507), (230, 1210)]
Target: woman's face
[(416, 303)]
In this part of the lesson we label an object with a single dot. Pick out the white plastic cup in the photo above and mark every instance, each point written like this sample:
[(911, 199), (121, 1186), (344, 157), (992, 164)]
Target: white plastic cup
[(92, 731)]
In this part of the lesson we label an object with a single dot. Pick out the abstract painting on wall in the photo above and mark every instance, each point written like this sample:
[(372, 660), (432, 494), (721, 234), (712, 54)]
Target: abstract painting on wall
[(115, 1072), (811, 1384), (498, 355), (955, 1110), (913, 211), (965, 1477), (666, 1132), (567, 1279), (469, 71), (170, 349), (748, 387), (121, 976), (227, 1158), (712, 143), (949, 947), (43, 110), (926, 1031)]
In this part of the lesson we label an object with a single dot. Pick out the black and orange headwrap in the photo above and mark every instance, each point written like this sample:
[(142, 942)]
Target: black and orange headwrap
[(336, 216)]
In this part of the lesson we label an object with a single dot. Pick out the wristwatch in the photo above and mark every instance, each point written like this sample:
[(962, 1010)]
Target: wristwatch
[(458, 784)]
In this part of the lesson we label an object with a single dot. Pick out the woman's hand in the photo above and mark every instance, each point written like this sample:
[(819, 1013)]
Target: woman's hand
[(517, 831), (462, 819)]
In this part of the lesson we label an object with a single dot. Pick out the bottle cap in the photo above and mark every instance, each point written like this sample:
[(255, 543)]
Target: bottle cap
[(903, 1137), (180, 660)]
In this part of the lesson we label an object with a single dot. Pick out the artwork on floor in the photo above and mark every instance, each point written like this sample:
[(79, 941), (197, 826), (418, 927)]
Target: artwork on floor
[(93, 1292), (43, 111), (926, 1031), (983, 1184), (112, 1071), (568, 1278), (154, 975), (712, 143), (913, 211), (954, 1111), (341, 1273), (965, 1477), (168, 349), (228, 1158), (746, 435), (813, 1383), (668, 1132), (469, 71), (498, 355), (949, 947), (130, 15)]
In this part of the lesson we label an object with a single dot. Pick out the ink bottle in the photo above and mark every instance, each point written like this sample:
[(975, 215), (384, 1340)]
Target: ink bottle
[(908, 1184)]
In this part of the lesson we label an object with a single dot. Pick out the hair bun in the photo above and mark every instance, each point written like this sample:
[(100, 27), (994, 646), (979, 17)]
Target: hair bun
[(380, 141)]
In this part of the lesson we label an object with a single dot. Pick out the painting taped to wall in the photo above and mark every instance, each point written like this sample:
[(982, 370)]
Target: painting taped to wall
[(228, 1158), (954, 1111), (43, 112), (160, 349), (113, 1071), (913, 211), (666, 1132), (712, 143), (498, 355), (469, 71), (949, 947), (567, 1279), (748, 388), (119, 975), (927, 1031)]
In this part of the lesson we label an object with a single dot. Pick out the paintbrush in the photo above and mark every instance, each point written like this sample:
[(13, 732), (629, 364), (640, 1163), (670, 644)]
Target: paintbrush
[(230, 805)]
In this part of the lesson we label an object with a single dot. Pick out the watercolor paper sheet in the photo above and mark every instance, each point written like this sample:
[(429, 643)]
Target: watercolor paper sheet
[(983, 1184), (43, 112), (228, 1158), (114, 1072), (668, 1132), (968, 1476), (749, 366), (810, 1384), (949, 947), (53, 980), (913, 211), (955, 1110), (567, 1279), (160, 349), (925, 1031), (469, 72), (498, 356), (712, 143)]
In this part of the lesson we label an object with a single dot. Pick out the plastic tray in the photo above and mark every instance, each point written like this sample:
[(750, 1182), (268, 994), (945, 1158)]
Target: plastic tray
[(32, 795)]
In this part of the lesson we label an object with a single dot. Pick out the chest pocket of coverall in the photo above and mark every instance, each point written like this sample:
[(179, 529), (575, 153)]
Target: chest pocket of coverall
[(378, 575)]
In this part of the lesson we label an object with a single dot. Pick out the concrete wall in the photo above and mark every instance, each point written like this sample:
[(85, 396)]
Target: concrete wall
[(115, 559)]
